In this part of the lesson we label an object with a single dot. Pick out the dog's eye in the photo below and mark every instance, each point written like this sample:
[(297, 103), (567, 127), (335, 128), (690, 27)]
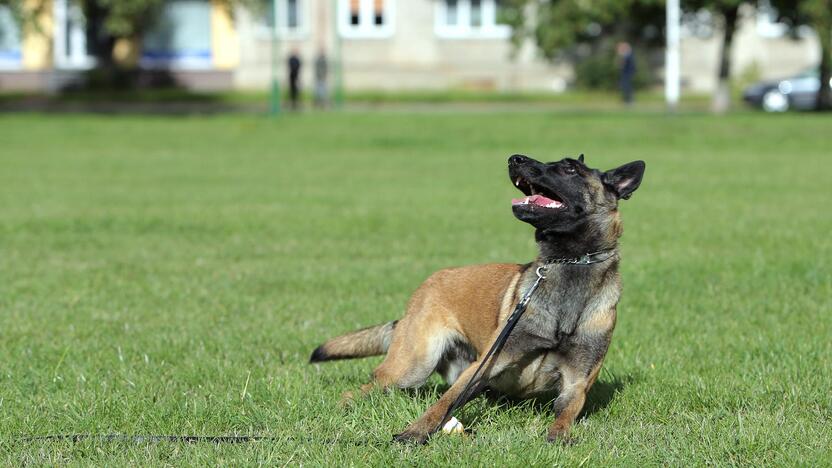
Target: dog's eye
[(569, 169)]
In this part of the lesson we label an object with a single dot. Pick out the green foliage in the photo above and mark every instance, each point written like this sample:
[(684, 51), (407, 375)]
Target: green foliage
[(715, 6), (559, 26), (124, 18), (26, 16), (601, 71)]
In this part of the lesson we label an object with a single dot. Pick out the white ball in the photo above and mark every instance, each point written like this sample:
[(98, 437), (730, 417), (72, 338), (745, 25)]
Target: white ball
[(453, 426)]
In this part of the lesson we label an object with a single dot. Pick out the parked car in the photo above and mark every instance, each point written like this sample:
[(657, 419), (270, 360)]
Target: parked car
[(798, 92)]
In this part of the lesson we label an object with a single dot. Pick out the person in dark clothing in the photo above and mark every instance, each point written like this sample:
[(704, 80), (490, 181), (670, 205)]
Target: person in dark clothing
[(294, 79), (627, 71), (321, 71)]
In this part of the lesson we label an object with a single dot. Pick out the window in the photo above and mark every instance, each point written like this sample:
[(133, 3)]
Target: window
[(476, 13), (365, 18), (292, 14), (469, 19), (180, 37), (11, 57), (70, 38), (291, 18), (451, 13)]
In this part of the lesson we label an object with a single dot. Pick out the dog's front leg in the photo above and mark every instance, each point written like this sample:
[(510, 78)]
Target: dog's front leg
[(567, 406), (570, 401), (418, 431)]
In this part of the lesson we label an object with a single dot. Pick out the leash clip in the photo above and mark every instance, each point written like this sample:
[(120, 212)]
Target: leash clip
[(541, 272)]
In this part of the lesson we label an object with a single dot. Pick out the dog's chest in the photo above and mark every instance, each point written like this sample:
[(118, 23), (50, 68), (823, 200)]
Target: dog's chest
[(535, 375), (565, 328)]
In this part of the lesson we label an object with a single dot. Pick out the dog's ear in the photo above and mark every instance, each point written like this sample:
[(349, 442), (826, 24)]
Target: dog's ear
[(581, 157), (624, 180)]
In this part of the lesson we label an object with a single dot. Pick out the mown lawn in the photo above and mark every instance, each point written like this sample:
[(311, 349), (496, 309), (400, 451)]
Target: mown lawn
[(171, 275)]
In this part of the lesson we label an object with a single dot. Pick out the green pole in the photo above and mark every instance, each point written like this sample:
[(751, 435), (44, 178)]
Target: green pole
[(275, 94), (339, 62)]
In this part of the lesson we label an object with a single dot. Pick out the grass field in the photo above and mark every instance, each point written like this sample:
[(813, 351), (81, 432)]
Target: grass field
[(171, 275)]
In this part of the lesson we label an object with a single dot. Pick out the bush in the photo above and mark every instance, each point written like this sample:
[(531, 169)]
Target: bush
[(599, 71)]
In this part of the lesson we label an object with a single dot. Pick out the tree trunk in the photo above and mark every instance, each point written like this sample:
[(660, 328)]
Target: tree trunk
[(722, 96), (824, 99), (109, 72), (99, 41)]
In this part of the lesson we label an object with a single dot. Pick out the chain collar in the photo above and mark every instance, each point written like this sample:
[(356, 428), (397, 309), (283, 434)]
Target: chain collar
[(585, 259)]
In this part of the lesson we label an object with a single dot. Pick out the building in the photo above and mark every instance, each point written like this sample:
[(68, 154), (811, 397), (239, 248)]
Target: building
[(383, 44), (194, 39)]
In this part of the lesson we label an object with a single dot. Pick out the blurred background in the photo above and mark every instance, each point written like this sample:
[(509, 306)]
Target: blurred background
[(238, 54)]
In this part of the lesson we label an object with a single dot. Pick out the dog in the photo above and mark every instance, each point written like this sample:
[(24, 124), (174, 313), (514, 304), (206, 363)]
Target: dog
[(558, 346)]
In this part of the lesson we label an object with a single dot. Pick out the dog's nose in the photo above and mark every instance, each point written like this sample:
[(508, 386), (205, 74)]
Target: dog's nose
[(516, 159)]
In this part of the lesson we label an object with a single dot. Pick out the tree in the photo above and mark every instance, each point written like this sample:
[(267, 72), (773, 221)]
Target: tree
[(559, 26), (816, 14), (727, 11), (111, 20)]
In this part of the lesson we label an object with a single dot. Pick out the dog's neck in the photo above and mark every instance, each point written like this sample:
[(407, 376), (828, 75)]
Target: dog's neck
[(581, 240)]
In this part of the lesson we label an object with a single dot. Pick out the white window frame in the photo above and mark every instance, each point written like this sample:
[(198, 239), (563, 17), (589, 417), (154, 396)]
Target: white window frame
[(463, 29), (13, 58), (301, 31), (77, 61), (366, 27)]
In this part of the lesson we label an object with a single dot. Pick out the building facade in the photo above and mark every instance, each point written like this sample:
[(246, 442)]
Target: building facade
[(382, 44), (195, 40)]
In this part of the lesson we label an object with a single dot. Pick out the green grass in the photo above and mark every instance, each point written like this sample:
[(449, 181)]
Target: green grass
[(169, 275)]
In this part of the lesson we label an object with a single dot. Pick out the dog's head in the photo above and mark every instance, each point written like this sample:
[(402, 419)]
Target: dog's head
[(561, 196)]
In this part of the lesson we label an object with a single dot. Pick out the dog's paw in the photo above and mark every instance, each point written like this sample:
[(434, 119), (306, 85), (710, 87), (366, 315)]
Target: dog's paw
[(347, 400), (411, 437), (562, 438)]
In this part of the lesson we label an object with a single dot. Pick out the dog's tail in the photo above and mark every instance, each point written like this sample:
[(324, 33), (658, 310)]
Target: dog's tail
[(370, 341)]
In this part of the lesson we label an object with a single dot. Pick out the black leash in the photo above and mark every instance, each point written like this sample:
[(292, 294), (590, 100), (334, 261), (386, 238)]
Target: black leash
[(473, 382), (190, 439), (519, 309), (150, 438)]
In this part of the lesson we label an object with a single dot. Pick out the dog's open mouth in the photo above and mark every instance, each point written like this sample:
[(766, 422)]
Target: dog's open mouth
[(536, 197)]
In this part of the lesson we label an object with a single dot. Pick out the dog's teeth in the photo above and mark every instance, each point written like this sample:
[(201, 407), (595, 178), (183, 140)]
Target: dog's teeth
[(517, 182)]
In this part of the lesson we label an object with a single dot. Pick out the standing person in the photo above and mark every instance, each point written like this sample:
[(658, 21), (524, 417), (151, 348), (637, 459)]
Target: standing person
[(294, 79), (321, 71), (627, 70)]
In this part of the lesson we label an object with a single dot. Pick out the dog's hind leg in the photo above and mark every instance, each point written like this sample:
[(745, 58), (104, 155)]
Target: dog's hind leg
[(419, 430), (417, 348)]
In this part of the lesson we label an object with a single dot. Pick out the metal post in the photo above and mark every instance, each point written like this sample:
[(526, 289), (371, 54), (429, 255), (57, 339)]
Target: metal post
[(672, 60), (275, 59), (339, 61)]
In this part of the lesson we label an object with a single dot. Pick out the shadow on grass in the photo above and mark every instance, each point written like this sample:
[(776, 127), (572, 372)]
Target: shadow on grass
[(142, 92), (601, 395)]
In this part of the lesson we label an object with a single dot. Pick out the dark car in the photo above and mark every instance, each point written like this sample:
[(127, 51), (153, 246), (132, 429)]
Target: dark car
[(799, 92)]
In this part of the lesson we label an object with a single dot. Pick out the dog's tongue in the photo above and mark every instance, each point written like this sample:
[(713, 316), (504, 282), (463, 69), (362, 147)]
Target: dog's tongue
[(538, 200)]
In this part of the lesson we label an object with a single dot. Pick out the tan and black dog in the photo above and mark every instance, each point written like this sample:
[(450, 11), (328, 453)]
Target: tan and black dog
[(456, 314)]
